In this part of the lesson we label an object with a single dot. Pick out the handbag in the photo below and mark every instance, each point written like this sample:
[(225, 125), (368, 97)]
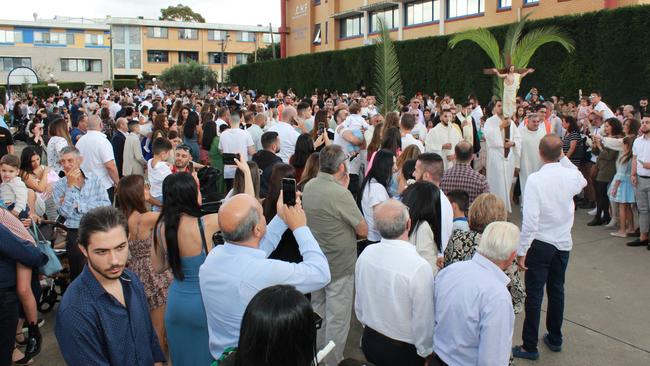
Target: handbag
[(53, 264)]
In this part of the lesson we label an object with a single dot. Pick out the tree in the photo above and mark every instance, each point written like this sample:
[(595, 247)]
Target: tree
[(189, 76), (388, 82), (180, 13), (517, 50), (266, 53)]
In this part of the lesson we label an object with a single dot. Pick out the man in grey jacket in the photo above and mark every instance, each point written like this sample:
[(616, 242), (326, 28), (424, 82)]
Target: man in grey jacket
[(134, 162)]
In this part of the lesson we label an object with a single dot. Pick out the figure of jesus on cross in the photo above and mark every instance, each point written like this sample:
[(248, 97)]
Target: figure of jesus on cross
[(512, 78)]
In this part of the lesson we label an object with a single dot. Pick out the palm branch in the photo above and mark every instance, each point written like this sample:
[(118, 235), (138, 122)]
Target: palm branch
[(388, 82), (484, 39), (512, 38), (536, 38)]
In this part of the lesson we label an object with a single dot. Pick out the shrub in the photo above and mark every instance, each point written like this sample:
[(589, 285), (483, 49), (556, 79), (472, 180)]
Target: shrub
[(44, 91), (119, 84), (427, 64), (3, 94), (72, 85), (188, 76)]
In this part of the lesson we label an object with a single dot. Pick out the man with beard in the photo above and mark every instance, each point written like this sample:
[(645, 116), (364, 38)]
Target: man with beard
[(443, 138), (266, 158), (468, 126), (104, 317)]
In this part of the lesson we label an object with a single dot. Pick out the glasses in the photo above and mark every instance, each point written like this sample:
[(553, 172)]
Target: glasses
[(184, 147)]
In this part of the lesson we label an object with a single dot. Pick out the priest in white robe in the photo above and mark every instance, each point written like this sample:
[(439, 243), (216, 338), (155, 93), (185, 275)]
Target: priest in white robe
[(443, 138), (503, 142), (531, 135)]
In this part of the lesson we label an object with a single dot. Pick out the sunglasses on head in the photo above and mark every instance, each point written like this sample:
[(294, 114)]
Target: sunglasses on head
[(184, 147)]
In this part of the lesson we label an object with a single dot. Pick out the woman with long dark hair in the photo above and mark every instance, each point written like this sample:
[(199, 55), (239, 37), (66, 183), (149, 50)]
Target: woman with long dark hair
[(59, 138), (606, 165), (287, 250), (311, 170), (324, 137), (40, 179), (374, 189), (304, 148), (192, 134), (278, 329), (425, 232), (392, 140), (182, 240), (572, 141), (131, 196)]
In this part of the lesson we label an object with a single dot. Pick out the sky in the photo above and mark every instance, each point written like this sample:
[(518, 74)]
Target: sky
[(244, 12)]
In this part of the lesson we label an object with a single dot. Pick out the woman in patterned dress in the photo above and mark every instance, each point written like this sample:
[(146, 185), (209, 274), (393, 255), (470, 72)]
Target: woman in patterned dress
[(131, 196), (485, 209)]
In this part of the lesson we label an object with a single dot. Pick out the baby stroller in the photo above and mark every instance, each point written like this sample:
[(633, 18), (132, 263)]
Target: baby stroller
[(53, 287)]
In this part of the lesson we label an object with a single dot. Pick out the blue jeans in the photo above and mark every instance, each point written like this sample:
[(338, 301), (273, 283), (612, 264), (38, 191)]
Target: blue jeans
[(546, 266)]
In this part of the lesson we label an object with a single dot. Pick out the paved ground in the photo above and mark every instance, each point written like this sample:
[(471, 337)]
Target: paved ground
[(607, 317)]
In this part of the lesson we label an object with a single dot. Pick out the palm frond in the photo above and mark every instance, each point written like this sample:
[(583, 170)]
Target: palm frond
[(484, 39), (512, 38), (535, 39), (388, 82)]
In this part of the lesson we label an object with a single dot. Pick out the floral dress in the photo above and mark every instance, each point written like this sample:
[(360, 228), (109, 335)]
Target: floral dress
[(462, 247)]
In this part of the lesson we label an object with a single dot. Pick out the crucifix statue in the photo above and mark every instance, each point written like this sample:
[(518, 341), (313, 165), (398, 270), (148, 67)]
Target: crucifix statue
[(512, 78)]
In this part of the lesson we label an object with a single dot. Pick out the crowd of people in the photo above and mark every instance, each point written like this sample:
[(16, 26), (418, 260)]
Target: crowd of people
[(183, 246)]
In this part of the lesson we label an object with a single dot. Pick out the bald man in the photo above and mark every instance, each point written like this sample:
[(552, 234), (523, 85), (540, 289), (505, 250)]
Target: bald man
[(545, 243), (98, 155), (394, 293), (234, 272), (287, 133)]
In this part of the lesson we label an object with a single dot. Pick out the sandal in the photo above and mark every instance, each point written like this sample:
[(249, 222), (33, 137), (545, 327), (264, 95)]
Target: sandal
[(23, 342), (22, 360)]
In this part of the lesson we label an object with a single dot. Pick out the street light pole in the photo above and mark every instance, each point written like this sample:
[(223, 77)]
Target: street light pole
[(223, 49)]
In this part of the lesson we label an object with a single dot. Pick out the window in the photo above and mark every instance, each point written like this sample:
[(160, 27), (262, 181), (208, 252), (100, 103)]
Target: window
[(316, 2), (351, 27), (266, 38), (217, 35), (531, 2), (53, 38), (389, 16), (94, 39), (241, 58), (9, 63), (118, 35), (420, 12), (316, 34), (157, 32), (246, 37), (188, 34), (215, 58), (81, 65), (505, 4), (9, 36), (119, 59), (185, 57), (157, 56), (135, 61), (461, 8)]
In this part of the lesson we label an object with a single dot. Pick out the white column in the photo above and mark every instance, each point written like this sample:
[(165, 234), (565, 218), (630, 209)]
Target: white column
[(443, 15), (365, 26), (400, 21)]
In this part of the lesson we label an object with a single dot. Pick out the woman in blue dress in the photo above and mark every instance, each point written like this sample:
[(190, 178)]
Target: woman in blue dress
[(192, 134), (621, 191), (182, 241)]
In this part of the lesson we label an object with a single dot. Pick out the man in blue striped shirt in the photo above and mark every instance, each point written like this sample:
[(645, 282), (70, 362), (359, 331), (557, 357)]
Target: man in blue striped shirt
[(76, 194)]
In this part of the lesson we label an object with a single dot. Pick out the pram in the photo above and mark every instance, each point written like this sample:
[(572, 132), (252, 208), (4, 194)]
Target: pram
[(53, 287)]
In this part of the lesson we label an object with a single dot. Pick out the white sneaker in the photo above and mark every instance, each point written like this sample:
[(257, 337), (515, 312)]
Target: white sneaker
[(612, 224), (592, 212)]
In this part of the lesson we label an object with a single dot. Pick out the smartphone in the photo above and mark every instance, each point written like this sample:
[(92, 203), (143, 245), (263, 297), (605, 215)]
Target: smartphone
[(229, 159), (289, 191), (321, 128)]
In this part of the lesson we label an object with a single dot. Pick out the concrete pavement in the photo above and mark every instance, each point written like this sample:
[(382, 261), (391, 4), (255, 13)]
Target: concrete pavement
[(607, 321)]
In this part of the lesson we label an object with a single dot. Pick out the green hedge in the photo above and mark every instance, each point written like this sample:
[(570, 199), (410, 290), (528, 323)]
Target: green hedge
[(72, 85), (3, 94), (44, 91), (612, 55), (119, 84)]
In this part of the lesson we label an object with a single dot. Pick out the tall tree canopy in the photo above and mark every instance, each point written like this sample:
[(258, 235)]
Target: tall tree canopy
[(181, 13)]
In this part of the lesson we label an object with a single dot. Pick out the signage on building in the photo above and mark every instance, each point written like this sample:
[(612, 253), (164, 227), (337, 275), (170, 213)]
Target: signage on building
[(300, 11)]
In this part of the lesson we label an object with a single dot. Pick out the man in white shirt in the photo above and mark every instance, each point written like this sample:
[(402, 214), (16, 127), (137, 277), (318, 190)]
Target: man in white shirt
[(477, 111), (256, 130), (429, 168), (599, 106), (286, 131), (406, 125), (99, 158), (235, 141), (545, 243), (443, 138), (394, 293), (474, 318), (222, 118), (641, 181)]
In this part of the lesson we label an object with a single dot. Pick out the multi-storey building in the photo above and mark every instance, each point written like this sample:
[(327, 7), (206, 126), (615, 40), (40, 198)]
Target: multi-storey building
[(55, 49), (325, 25), (143, 45)]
